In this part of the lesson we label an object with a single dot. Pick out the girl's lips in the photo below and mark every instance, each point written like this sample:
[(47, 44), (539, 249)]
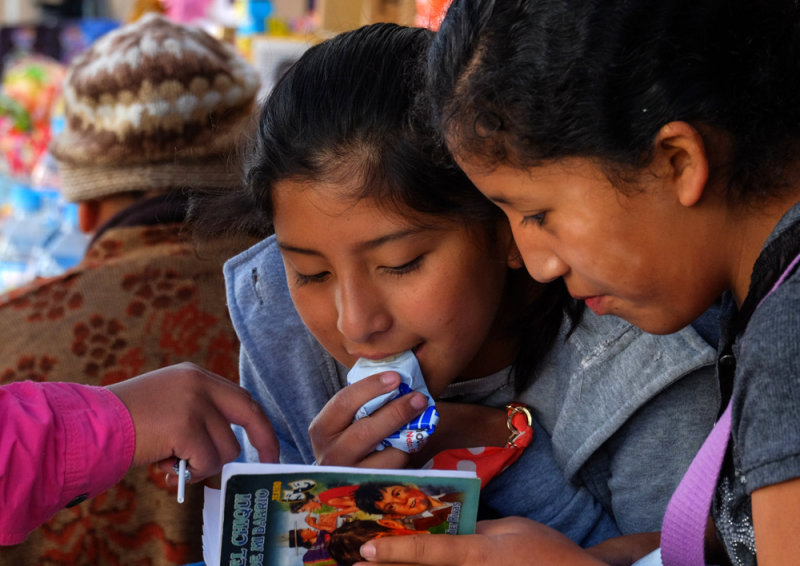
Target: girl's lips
[(597, 304), (382, 355)]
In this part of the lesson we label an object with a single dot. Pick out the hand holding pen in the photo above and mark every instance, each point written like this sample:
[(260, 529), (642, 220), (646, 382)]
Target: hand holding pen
[(185, 412)]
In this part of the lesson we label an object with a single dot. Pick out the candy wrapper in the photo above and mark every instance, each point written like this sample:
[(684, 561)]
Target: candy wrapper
[(412, 436)]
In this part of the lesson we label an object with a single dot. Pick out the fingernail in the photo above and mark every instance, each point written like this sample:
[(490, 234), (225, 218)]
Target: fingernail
[(419, 401), (368, 550), (390, 378)]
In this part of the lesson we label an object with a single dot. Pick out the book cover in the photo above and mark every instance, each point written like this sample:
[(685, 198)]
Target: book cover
[(291, 515)]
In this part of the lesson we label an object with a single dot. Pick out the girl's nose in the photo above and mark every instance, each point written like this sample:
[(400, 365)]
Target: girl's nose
[(541, 262), (362, 312)]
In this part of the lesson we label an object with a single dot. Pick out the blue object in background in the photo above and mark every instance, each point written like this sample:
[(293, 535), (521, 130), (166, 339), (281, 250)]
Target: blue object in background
[(93, 28), (24, 234), (67, 246), (40, 238), (258, 12)]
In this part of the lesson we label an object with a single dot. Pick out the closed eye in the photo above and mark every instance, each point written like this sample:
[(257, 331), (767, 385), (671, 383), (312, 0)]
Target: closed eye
[(406, 268), (301, 279), (537, 219)]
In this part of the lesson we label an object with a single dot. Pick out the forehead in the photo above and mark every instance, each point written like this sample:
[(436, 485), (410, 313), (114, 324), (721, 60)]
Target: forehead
[(504, 182), (336, 197), (316, 215), (298, 202)]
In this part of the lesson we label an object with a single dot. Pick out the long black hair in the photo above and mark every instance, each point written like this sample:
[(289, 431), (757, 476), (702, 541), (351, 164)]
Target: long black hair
[(523, 82)]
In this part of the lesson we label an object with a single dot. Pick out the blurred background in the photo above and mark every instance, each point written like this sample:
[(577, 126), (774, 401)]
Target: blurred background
[(38, 38)]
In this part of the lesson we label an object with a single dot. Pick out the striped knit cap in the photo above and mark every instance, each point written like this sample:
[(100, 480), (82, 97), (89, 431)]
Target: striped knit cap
[(153, 105)]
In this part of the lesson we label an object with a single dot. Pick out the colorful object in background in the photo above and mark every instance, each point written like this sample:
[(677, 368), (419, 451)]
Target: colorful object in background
[(430, 13), (77, 36), (30, 90), (260, 10), (38, 230), (187, 11), (253, 16), (35, 82), (17, 117), (32, 222), (142, 7)]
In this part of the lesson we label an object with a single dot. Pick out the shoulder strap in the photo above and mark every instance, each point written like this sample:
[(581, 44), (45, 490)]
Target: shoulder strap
[(684, 526)]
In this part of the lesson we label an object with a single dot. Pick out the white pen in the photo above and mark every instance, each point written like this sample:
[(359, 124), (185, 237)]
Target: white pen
[(181, 479)]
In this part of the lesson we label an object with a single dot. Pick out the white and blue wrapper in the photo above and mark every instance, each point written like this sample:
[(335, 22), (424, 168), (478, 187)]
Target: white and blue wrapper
[(412, 436)]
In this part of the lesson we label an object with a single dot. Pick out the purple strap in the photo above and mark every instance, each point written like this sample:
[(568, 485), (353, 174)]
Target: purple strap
[(782, 278), (684, 527)]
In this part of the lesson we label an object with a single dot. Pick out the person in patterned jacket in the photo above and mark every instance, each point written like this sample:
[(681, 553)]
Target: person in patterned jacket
[(154, 110)]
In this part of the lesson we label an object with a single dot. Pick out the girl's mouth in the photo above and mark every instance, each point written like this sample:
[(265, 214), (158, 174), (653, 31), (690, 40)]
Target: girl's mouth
[(597, 304)]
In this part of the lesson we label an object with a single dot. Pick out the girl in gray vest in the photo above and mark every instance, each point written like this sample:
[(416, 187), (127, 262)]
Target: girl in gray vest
[(382, 245)]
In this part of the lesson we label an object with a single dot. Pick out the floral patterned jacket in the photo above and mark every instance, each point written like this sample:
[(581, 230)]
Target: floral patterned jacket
[(145, 296)]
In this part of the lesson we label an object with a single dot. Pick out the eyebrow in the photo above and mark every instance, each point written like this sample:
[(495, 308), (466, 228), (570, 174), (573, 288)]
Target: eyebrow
[(362, 246)]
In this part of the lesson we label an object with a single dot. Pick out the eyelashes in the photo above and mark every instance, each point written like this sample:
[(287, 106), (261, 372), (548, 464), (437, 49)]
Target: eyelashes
[(406, 268), (537, 219), (396, 271), (301, 280)]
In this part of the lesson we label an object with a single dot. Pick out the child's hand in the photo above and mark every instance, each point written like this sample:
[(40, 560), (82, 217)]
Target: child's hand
[(184, 411), (338, 441), (512, 541)]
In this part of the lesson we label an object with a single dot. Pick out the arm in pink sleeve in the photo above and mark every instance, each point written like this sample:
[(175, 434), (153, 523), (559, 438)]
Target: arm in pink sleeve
[(58, 441)]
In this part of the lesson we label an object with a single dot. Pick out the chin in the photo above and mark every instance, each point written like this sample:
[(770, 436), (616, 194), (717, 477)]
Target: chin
[(662, 326)]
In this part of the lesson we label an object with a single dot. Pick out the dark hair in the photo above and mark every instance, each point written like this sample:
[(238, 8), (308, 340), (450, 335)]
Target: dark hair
[(344, 113), (349, 111), (523, 82), (368, 494), (345, 541)]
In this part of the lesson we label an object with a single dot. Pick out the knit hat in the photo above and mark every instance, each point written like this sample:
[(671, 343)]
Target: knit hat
[(153, 105)]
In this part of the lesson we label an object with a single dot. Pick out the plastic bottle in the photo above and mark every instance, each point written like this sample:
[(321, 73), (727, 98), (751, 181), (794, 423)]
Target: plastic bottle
[(67, 246), (25, 233)]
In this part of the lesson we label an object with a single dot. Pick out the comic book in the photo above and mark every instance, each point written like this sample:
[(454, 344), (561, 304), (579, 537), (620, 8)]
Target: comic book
[(295, 515)]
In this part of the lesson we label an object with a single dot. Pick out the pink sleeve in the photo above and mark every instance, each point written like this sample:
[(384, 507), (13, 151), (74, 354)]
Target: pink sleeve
[(58, 442)]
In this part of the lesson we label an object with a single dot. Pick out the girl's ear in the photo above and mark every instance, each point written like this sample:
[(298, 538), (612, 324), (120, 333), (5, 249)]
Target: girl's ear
[(681, 156)]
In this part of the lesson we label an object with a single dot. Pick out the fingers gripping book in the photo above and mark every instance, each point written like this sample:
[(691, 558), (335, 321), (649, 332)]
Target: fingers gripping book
[(294, 515)]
